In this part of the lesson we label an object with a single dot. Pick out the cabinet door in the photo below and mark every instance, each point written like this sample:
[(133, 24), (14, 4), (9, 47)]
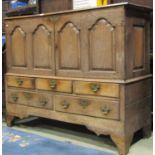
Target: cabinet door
[(69, 37), (30, 45), (105, 39), (17, 56), (43, 60), (90, 44)]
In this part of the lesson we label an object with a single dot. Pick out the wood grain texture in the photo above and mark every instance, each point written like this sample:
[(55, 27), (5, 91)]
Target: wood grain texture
[(88, 67), (59, 85), (139, 46), (69, 47), (101, 43), (9, 120), (104, 126), (32, 99), (86, 106), (94, 49), (123, 143), (18, 51), (41, 48), (109, 90), (21, 82)]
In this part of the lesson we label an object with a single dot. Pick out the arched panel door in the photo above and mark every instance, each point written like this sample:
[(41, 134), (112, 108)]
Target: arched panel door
[(105, 47), (30, 46), (43, 49), (18, 48), (68, 47), (101, 46)]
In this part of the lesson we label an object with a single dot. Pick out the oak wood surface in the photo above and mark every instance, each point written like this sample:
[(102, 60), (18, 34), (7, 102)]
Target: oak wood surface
[(83, 67), (86, 88), (87, 106), (32, 99), (21, 82), (80, 50), (54, 85)]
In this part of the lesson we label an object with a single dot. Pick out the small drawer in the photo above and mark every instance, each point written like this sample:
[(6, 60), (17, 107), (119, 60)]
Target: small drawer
[(54, 85), (42, 101), (30, 99), (16, 97), (21, 82), (96, 88), (86, 106)]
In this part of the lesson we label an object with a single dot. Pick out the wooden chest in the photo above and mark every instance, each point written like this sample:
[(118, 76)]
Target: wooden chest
[(88, 67)]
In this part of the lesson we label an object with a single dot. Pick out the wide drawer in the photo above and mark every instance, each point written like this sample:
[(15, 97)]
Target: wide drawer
[(54, 85), (96, 88), (86, 106), (30, 99), (21, 82)]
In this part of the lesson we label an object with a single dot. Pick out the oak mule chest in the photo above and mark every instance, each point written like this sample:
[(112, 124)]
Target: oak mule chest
[(87, 67)]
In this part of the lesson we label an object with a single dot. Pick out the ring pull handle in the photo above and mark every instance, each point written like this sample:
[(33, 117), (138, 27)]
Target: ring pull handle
[(65, 104), (95, 87), (105, 110), (53, 84), (43, 102), (84, 103), (19, 82), (14, 98)]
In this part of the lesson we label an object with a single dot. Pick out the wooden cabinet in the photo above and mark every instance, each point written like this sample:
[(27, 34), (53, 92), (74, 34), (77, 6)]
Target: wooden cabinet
[(87, 67), (90, 45)]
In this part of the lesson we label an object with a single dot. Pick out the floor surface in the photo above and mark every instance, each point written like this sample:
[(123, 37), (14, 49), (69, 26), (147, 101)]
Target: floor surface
[(81, 136)]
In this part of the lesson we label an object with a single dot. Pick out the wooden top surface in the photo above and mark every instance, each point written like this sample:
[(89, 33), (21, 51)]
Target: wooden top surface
[(129, 5)]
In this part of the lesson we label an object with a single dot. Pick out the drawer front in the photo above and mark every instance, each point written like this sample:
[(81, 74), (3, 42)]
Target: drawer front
[(54, 85), (96, 88), (42, 101), (16, 97), (85, 106), (30, 99), (21, 82)]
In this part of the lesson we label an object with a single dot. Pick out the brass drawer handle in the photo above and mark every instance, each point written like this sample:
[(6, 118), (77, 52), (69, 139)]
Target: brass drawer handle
[(95, 87), (14, 98), (65, 104), (19, 82), (53, 84), (105, 110), (28, 95), (84, 103), (43, 102)]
